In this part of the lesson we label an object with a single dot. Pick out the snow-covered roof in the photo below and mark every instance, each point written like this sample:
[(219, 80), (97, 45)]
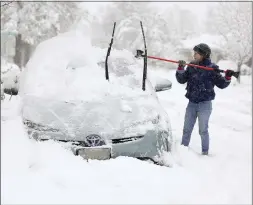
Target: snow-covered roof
[(214, 41)]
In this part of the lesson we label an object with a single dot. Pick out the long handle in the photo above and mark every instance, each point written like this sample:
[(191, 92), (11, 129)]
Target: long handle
[(163, 59), (139, 53)]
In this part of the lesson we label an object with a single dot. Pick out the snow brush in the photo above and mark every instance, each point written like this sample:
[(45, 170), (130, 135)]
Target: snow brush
[(139, 54)]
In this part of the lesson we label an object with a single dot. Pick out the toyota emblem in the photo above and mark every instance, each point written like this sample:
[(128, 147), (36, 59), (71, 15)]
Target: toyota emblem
[(94, 140)]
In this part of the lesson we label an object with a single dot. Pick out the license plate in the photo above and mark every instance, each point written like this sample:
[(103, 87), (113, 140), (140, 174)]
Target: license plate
[(101, 153)]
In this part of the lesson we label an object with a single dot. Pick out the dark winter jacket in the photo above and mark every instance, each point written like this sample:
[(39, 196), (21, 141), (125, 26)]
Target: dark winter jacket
[(200, 82)]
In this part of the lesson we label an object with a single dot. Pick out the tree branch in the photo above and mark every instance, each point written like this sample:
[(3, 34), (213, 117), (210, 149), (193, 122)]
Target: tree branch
[(6, 3)]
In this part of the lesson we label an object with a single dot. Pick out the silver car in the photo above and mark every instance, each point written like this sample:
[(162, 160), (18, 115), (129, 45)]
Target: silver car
[(124, 121)]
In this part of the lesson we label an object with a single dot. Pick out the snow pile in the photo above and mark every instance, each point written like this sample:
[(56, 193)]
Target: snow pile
[(47, 172), (34, 172), (10, 74), (71, 69)]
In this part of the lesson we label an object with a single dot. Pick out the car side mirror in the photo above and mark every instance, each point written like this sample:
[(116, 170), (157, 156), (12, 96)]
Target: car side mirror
[(162, 84)]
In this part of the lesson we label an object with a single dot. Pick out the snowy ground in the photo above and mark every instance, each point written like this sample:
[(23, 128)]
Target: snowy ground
[(40, 173)]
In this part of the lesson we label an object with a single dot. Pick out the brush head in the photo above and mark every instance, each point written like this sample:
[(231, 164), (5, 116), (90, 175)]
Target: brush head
[(236, 74), (139, 53)]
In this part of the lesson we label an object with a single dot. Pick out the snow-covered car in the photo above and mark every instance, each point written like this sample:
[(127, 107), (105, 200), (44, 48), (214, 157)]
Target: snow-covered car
[(66, 98), (10, 73)]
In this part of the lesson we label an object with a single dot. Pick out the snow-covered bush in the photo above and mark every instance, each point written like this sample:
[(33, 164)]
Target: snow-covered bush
[(10, 74)]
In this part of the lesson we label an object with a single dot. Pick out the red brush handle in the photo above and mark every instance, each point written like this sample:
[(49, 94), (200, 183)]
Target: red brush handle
[(163, 59)]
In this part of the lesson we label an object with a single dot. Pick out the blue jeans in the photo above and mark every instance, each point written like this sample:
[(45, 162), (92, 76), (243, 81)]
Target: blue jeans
[(202, 111)]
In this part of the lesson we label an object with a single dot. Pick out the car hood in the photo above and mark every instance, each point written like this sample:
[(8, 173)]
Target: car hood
[(112, 117)]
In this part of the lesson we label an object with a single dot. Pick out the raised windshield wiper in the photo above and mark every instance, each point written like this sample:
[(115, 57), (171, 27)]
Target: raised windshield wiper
[(145, 58), (145, 61), (108, 54), (139, 54)]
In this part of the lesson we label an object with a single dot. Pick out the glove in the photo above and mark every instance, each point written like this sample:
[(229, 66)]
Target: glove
[(181, 64), (229, 74)]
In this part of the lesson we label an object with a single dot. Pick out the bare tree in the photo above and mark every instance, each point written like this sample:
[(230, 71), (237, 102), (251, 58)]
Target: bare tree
[(233, 21)]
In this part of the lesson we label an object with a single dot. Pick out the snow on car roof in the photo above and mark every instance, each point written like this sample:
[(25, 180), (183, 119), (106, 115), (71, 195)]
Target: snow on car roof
[(67, 67)]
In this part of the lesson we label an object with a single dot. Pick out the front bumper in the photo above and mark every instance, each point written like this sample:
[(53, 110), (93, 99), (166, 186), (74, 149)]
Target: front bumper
[(150, 145), (98, 153)]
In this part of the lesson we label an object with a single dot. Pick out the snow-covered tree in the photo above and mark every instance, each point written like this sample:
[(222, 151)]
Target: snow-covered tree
[(37, 21), (128, 15), (163, 31), (34, 22), (182, 23), (233, 21)]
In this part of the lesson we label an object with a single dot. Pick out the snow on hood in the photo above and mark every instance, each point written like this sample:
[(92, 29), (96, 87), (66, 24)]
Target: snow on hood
[(111, 117)]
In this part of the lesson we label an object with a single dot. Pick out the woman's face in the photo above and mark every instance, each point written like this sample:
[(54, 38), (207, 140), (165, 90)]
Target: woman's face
[(197, 57)]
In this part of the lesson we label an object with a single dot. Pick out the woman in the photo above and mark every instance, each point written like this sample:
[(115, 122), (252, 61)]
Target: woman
[(200, 92)]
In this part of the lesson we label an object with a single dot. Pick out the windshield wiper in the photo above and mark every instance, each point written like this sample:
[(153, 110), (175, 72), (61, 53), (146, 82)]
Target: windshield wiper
[(108, 54), (145, 60)]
